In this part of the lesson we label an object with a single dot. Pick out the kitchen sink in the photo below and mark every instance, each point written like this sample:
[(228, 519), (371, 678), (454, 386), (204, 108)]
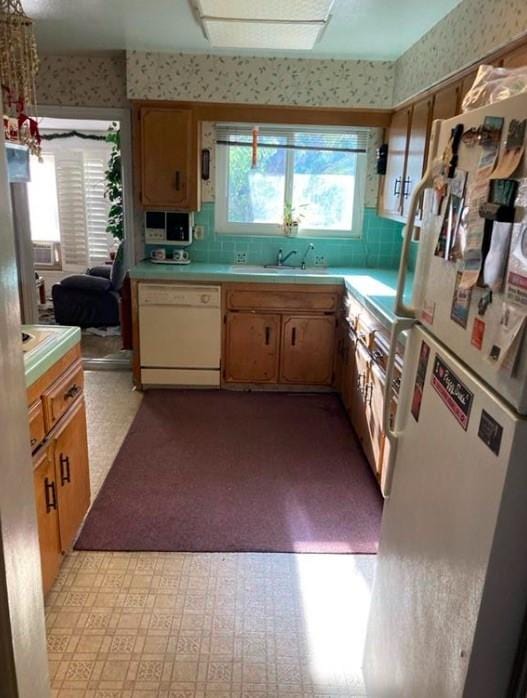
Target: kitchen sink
[(280, 271)]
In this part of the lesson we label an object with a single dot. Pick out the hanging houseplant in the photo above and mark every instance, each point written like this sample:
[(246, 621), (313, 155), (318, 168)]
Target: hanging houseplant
[(114, 185)]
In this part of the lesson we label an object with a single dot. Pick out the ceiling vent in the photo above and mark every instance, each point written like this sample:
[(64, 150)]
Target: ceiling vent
[(274, 24)]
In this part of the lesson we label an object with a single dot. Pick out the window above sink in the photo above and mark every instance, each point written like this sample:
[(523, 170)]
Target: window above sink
[(316, 174)]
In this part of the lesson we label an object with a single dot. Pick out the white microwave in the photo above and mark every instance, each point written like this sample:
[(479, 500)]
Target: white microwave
[(168, 228)]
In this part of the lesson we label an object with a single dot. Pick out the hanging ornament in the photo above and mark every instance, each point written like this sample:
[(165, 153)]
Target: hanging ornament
[(255, 147), (18, 68)]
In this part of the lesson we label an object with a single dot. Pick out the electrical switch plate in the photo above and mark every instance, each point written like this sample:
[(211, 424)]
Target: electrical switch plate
[(320, 261), (199, 232), (240, 258)]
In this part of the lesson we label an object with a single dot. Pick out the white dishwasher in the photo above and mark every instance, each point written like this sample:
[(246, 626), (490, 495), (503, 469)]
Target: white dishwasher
[(179, 334)]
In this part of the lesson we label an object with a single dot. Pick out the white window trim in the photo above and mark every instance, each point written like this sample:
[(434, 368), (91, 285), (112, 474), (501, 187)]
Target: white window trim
[(224, 227)]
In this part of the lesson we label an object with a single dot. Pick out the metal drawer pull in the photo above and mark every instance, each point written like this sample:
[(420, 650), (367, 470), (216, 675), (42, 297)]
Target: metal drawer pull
[(396, 188), (178, 181), (74, 390), (51, 502), (33, 441), (65, 474), (293, 336), (267, 335)]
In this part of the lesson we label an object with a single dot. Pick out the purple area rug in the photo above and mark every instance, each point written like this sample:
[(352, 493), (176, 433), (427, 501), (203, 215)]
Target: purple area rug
[(213, 471)]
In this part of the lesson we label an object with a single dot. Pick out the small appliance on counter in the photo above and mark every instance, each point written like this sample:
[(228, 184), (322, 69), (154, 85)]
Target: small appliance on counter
[(171, 228)]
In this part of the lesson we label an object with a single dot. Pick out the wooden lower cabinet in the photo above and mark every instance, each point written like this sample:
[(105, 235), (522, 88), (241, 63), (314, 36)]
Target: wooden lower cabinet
[(308, 350), (72, 473), (363, 395), (374, 399), (45, 486), (252, 342)]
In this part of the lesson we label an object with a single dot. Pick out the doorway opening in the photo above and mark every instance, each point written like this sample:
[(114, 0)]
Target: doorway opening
[(73, 231)]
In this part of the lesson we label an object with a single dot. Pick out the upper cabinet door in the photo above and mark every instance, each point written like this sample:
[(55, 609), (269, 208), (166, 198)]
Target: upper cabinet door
[(417, 148), (466, 84), (391, 202), (516, 58), (447, 102), (168, 157)]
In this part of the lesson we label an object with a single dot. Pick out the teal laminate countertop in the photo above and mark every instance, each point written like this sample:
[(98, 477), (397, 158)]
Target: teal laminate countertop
[(375, 288), (56, 340)]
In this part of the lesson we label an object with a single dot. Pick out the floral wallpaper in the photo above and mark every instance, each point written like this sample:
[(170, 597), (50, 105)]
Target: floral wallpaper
[(291, 81), (470, 31), (88, 81), (208, 140)]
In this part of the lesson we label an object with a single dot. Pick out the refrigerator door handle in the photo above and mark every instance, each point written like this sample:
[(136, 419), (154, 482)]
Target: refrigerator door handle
[(390, 432), (433, 168)]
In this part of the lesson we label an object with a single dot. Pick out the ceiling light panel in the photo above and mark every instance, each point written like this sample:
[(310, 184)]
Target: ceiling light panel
[(297, 36), (278, 10)]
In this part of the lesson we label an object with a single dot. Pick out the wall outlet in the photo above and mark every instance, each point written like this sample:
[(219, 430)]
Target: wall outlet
[(320, 261), (240, 258), (199, 232)]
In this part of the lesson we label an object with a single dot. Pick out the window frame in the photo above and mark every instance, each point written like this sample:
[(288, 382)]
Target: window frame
[(225, 227)]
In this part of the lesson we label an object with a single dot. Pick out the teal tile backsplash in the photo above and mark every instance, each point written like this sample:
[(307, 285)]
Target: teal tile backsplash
[(379, 247)]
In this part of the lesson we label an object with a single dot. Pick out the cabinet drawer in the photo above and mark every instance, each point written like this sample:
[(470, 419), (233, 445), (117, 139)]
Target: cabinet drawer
[(62, 394), (37, 430), (248, 299)]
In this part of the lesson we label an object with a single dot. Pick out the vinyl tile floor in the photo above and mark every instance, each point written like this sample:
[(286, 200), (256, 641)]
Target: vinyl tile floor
[(198, 625)]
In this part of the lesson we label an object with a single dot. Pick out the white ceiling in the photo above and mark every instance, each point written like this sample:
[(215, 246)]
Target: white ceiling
[(371, 29)]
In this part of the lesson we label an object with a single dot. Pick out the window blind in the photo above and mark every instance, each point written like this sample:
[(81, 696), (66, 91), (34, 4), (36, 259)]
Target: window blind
[(69, 168), (353, 140), (82, 206), (97, 207)]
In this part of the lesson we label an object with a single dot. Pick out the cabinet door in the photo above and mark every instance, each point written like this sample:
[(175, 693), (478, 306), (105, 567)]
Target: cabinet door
[(374, 399), (252, 342), (393, 179), (72, 474), (516, 58), (466, 84), (308, 350), (168, 166), (349, 374), (358, 398), (417, 148), (47, 516), (447, 102)]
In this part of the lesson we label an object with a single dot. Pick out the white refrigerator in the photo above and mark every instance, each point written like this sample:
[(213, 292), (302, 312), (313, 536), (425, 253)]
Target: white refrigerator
[(450, 591)]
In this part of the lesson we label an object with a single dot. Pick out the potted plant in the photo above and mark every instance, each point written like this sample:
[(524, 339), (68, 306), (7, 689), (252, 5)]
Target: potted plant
[(292, 220), (114, 187)]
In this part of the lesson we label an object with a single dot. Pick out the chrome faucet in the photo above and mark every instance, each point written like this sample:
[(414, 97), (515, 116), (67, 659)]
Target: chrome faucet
[(281, 260), (308, 248)]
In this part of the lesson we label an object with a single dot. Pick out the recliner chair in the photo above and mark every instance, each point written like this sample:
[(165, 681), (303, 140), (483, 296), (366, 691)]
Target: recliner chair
[(91, 299)]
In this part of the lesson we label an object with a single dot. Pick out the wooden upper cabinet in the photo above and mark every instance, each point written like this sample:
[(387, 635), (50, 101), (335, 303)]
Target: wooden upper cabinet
[(72, 474), (168, 158), (417, 148), (252, 342), (516, 58), (45, 486), (447, 102), (391, 202), (466, 84), (308, 350)]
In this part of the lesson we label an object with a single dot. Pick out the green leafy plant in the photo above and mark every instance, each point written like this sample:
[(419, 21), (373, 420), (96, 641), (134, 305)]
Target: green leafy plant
[(114, 185), (291, 215)]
